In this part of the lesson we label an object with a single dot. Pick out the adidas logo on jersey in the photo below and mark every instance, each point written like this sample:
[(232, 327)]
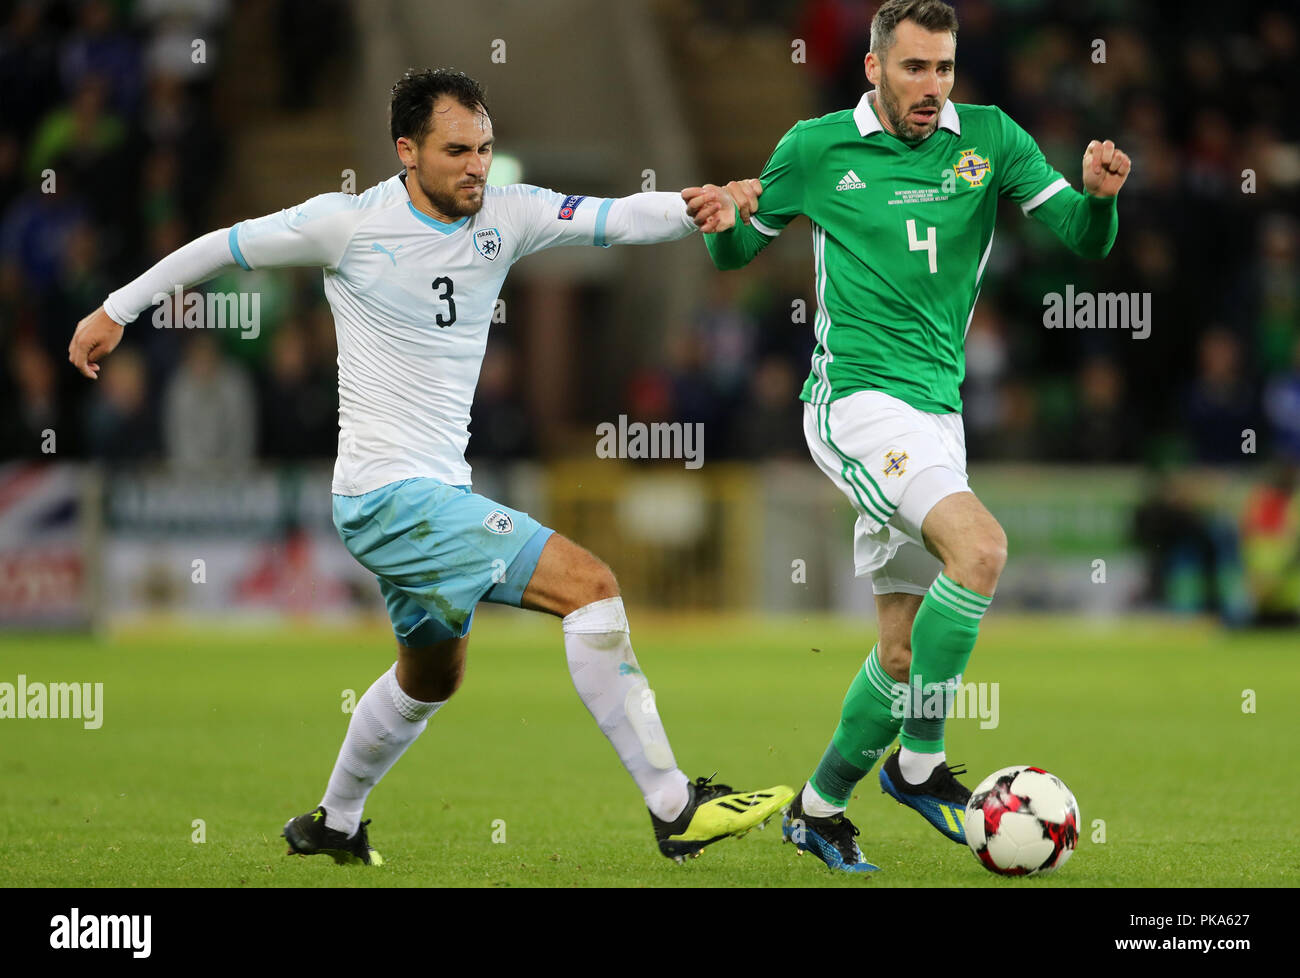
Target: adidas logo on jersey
[(850, 181)]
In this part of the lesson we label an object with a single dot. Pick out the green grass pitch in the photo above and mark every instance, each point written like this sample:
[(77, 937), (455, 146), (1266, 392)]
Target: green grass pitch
[(1142, 718)]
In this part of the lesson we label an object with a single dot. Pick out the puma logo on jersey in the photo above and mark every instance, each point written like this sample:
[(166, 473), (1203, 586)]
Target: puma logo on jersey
[(392, 255), (850, 181)]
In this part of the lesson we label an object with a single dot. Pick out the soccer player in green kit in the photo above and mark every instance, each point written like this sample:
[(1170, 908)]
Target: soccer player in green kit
[(902, 194)]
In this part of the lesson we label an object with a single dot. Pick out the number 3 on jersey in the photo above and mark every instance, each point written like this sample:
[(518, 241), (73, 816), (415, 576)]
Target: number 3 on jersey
[(448, 287), (916, 244)]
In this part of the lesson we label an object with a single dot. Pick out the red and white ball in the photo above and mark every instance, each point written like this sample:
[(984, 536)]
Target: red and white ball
[(1022, 821)]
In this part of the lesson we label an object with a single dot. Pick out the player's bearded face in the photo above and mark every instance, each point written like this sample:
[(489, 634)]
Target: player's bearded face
[(914, 81), (455, 158)]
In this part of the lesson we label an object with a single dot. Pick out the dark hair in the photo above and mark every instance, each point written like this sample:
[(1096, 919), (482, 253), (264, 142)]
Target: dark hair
[(932, 15), (410, 114)]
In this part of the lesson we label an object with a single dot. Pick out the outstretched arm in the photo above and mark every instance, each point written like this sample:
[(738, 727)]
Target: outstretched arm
[(543, 218), (99, 333), (546, 219), (313, 234), (644, 218)]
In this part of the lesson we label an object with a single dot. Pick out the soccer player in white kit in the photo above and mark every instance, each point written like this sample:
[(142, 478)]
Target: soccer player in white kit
[(412, 269)]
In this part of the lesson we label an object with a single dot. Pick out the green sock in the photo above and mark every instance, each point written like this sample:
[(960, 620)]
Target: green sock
[(943, 635), (869, 722)]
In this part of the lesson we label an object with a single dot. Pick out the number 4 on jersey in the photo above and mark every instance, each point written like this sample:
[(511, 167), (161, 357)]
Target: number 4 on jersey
[(916, 244)]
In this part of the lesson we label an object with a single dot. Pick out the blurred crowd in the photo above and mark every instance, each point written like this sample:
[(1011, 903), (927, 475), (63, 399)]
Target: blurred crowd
[(111, 151), (108, 151), (109, 102)]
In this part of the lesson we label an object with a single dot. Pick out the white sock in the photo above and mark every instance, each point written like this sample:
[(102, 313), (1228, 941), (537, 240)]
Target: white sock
[(609, 681), (917, 768), (385, 722), (817, 806)]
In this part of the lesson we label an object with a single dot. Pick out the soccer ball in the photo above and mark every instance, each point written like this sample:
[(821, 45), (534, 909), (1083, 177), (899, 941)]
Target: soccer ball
[(1022, 821)]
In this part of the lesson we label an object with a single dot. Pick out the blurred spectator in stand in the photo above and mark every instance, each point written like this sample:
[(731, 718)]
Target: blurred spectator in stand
[(986, 367), (649, 395), (1018, 436), (28, 72), (209, 410), (726, 331), (86, 140), (1274, 291), (99, 49), (174, 118), (835, 31), (322, 340), (1148, 261), (298, 407), (771, 425), (1191, 552), (1282, 408), (1220, 404), (311, 33), (80, 287), (118, 423), (35, 232), (1270, 538), (11, 169), (36, 412), (1103, 429), (1273, 62), (500, 426), (173, 26), (690, 396), (160, 198)]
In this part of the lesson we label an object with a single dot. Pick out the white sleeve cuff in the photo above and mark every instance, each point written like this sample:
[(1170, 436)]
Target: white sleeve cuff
[(647, 218)]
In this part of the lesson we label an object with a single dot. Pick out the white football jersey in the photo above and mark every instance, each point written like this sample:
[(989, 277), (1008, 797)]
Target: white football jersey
[(413, 300)]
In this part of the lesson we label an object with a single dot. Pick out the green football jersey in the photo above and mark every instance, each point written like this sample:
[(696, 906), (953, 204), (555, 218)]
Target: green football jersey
[(901, 236)]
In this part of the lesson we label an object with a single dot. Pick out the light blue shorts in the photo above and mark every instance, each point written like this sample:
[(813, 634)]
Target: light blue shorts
[(439, 550)]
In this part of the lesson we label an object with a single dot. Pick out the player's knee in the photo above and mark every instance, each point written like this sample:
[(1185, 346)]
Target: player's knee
[(429, 676), (434, 688), (896, 658), (991, 553), (588, 581), (982, 558), (598, 583)]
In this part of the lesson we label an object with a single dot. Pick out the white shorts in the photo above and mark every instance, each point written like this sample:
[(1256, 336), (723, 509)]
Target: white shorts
[(894, 463)]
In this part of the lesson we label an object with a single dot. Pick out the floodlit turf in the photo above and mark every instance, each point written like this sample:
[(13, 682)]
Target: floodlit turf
[(239, 728)]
